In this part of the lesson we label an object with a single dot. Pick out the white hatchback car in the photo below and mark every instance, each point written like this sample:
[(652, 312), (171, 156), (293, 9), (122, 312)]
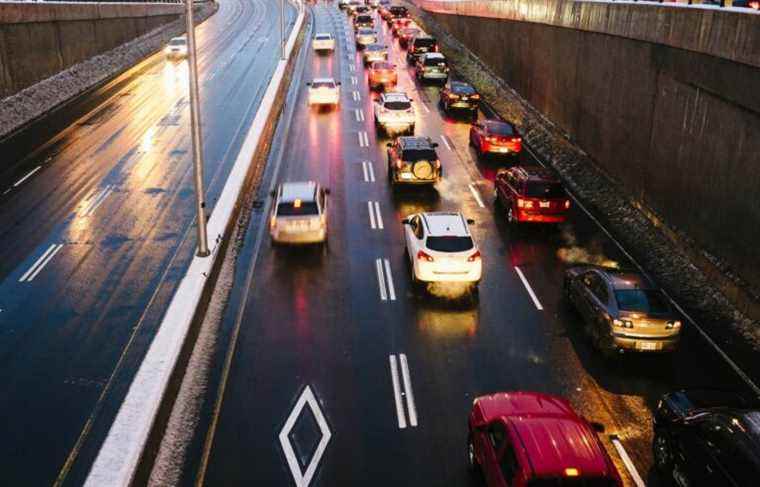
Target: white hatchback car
[(394, 113), (177, 48), (324, 91), (365, 37), (299, 213), (441, 249), (323, 41)]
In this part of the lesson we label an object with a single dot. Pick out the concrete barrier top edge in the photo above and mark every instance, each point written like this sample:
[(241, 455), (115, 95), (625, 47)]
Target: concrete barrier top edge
[(24, 13)]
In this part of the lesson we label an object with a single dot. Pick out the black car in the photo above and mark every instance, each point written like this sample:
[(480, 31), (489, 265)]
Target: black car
[(458, 95), (420, 45), (707, 438), (364, 20), (396, 12)]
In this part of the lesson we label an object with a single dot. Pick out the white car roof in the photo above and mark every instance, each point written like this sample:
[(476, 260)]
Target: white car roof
[(302, 190), (324, 80), (396, 96), (445, 224)]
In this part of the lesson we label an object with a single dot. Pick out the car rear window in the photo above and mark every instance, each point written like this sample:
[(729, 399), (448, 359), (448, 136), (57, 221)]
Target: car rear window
[(642, 301), (398, 105), (177, 42), (302, 208), (323, 37), (323, 84), (375, 47), (398, 10), (500, 129), (537, 189), (379, 65), (572, 482), (413, 155), (435, 62), (363, 18), (462, 89), (424, 42), (449, 244), (364, 32)]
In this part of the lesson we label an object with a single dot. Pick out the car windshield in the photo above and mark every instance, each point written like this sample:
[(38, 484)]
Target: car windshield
[(375, 47), (413, 155), (500, 129), (462, 89), (382, 66), (450, 244), (366, 32), (436, 61), (642, 301), (572, 482), (177, 42), (538, 189), (323, 37), (398, 105), (424, 42), (323, 84), (298, 208)]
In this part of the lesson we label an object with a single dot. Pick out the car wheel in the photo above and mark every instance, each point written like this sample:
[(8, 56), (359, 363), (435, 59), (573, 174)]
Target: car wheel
[(511, 218), (662, 454), (496, 200), (472, 460)]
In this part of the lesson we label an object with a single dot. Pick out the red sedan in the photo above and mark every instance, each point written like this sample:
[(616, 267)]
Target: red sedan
[(522, 439), (531, 194), (495, 137)]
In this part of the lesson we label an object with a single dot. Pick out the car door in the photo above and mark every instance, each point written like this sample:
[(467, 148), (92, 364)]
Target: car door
[(493, 445), (445, 93), (584, 297), (410, 235), (475, 134)]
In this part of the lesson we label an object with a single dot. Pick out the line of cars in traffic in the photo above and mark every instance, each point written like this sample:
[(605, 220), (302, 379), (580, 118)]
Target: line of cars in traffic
[(524, 438)]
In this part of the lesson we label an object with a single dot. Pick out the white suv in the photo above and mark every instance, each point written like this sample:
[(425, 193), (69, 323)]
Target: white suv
[(323, 41), (324, 91), (394, 113), (299, 213), (441, 249)]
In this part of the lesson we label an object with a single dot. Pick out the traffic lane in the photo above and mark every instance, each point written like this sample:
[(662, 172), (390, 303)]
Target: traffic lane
[(96, 291), (298, 314)]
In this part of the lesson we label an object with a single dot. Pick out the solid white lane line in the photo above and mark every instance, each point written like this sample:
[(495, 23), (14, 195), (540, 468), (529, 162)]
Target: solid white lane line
[(364, 170), (28, 175), (445, 142), (380, 279), (379, 215), (627, 461), (530, 289), (36, 263), (371, 171), (476, 195), (372, 222), (389, 277), (97, 201), (408, 390), (44, 263), (397, 393)]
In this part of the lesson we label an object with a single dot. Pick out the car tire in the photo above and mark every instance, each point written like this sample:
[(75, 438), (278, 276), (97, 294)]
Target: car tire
[(662, 453), (511, 219), (472, 460)]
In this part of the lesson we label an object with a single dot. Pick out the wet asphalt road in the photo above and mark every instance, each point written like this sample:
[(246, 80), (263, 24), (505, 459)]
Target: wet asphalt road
[(315, 318), (96, 229)]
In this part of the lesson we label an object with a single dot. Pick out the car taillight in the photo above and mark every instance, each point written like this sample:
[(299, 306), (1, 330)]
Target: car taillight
[(437, 164), (523, 203), (422, 255), (567, 204), (493, 140), (475, 96), (474, 257), (399, 164), (453, 96)]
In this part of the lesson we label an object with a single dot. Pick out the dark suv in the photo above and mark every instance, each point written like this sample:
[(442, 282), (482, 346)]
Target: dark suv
[(396, 12), (413, 160), (707, 438), (458, 95), (531, 194), (419, 45), (364, 20)]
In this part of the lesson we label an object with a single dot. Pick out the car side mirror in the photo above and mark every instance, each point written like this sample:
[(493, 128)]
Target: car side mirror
[(308, 83), (598, 427), (470, 221), (434, 145), (389, 144), (327, 190), (338, 83), (410, 99), (405, 221), (273, 193)]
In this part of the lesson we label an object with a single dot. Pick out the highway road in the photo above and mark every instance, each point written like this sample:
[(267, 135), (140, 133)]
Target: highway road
[(96, 229), (319, 337)]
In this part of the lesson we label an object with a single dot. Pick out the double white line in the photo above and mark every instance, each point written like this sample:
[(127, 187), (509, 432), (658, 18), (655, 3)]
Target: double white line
[(92, 202), (369, 172), (407, 393), (355, 80), (359, 114), (355, 94), (363, 139), (385, 280), (41, 263), (375, 218)]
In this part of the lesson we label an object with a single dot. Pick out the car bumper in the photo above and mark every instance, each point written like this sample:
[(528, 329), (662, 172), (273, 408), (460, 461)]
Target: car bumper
[(324, 47), (372, 59), (463, 105), (365, 42), (621, 342), (176, 54), (532, 217), (299, 237), (430, 273), (434, 75), (409, 178), (500, 149), (395, 124), (323, 100)]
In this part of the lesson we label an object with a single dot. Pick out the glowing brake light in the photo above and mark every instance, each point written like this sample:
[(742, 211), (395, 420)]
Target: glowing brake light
[(297, 203), (453, 96), (523, 203), (493, 140), (572, 472), (422, 255), (474, 257), (567, 204)]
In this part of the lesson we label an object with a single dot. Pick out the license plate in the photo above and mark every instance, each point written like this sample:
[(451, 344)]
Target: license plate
[(406, 175), (503, 150), (544, 204), (647, 345)]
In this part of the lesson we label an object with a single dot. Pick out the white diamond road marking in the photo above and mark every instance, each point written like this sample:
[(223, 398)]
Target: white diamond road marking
[(303, 479)]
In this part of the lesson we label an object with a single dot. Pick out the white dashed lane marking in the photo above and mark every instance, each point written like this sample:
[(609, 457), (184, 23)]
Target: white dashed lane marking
[(405, 396), (40, 263), (476, 195), (375, 218), (530, 289)]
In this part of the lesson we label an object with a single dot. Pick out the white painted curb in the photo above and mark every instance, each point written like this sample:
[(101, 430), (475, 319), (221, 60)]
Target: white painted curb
[(118, 458)]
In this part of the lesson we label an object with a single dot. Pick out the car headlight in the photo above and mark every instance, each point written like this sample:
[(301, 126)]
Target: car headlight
[(673, 325), (623, 323)]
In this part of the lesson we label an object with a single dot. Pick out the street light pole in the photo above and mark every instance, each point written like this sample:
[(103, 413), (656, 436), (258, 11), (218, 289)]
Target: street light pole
[(195, 124), (282, 29)]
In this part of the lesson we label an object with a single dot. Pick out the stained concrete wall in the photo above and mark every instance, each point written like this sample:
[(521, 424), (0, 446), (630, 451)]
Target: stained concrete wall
[(665, 99), (38, 40)]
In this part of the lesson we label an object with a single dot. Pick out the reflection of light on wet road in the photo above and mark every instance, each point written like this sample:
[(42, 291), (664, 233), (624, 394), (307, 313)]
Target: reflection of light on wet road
[(448, 323), (146, 143), (175, 76)]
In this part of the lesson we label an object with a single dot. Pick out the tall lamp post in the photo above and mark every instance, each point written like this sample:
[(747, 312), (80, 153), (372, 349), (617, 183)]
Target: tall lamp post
[(195, 124)]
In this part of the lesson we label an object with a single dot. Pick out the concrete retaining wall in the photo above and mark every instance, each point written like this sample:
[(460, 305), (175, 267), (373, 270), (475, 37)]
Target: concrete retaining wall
[(38, 40), (665, 99)]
